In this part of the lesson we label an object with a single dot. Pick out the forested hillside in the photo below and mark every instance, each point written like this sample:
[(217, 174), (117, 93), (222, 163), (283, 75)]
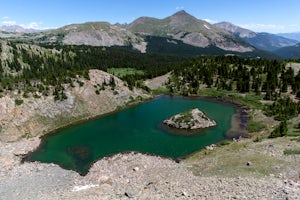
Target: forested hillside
[(31, 68), (256, 80), (45, 70)]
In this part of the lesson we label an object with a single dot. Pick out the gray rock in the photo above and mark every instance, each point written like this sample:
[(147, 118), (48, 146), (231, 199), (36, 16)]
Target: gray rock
[(136, 169), (192, 119), (129, 194)]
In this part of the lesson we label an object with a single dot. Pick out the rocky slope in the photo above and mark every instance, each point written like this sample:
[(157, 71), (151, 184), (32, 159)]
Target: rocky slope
[(218, 172), (37, 116), (90, 33), (181, 26), (190, 30), (137, 176), (100, 34), (239, 31), (264, 41), (190, 120)]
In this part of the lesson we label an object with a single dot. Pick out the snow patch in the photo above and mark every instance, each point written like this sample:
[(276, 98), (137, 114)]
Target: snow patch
[(206, 26), (83, 187)]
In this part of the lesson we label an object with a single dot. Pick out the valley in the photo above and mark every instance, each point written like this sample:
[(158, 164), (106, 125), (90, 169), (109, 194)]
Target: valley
[(55, 79)]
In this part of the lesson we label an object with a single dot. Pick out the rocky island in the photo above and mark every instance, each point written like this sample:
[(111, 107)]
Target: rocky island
[(190, 120)]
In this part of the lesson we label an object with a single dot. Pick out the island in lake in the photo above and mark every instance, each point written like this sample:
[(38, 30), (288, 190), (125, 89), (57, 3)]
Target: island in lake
[(190, 120)]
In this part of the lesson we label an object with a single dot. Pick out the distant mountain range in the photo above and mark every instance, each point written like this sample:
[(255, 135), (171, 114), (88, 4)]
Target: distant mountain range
[(190, 30), (180, 33), (264, 41), (17, 29), (294, 36)]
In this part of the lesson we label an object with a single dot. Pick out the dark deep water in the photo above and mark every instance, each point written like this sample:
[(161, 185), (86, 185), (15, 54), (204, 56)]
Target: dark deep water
[(133, 129)]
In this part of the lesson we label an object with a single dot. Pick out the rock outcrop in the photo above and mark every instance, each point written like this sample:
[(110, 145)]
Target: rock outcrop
[(101, 34), (38, 116), (190, 120)]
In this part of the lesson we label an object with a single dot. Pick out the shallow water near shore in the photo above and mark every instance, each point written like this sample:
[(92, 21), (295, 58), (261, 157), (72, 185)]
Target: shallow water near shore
[(134, 129)]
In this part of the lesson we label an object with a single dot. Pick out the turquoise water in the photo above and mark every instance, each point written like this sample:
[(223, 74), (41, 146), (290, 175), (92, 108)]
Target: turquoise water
[(133, 129)]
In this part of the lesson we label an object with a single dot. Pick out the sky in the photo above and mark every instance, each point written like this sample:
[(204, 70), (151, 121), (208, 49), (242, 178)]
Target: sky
[(273, 16)]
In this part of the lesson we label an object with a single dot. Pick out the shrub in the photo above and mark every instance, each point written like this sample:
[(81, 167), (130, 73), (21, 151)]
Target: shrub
[(257, 139), (254, 126), (280, 130), (18, 101), (223, 143), (291, 151)]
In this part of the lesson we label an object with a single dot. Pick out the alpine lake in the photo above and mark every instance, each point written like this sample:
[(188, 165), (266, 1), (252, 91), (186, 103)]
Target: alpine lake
[(138, 129)]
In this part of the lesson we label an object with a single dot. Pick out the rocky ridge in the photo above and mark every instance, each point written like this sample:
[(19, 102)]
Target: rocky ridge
[(181, 26), (37, 116), (191, 120), (264, 41), (185, 27), (101, 34)]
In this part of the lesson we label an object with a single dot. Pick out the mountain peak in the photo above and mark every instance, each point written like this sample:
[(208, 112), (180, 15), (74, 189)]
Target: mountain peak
[(182, 14)]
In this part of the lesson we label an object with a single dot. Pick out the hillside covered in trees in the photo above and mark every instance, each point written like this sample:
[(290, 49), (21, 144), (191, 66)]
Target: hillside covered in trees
[(31, 68), (267, 85), (45, 70)]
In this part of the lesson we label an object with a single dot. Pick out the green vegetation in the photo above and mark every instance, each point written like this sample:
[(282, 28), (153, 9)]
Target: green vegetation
[(224, 142), (122, 72), (256, 83), (161, 90), (254, 126), (291, 151), (19, 102), (184, 117), (280, 130), (293, 133), (297, 126), (257, 139), (283, 109), (50, 69)]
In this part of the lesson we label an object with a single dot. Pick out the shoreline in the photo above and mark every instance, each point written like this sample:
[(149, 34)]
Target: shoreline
[(144, 175), (239, 119), (236, 130), (78, 122)]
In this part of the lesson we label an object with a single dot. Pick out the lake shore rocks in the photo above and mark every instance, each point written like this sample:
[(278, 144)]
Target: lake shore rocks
[(190, 120), (117, 177)]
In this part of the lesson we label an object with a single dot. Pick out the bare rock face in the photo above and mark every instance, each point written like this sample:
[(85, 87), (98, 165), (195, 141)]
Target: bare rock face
[(192, 119), (102, 34), (38, 116)]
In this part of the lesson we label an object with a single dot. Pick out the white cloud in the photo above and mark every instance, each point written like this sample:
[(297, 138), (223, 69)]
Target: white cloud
[(211, 21), (5, 18), (294, 25), (9, 23), (31, 25), (271, 28)]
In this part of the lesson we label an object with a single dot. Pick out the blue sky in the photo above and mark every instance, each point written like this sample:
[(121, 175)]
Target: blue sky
[(273, 16)]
